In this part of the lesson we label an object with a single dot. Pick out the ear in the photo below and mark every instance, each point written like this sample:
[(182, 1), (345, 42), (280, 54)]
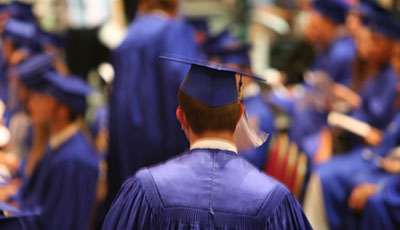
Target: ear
[(180, 115)]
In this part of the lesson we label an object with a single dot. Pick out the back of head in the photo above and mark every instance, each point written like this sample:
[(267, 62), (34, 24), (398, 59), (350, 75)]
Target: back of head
[(170, 6), (202, 118)]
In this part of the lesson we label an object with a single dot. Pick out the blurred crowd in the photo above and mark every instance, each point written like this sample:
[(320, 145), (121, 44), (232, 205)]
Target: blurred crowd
[(85, 101)]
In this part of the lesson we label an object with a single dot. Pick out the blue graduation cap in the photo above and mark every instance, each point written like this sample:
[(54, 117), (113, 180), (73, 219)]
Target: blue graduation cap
[(56, 40), (21, 10), (30, 71), (333, 9), (211, 84), (19, 29), (378, 19), (221, 42), (199, 24), (238, 56), (68, 90)]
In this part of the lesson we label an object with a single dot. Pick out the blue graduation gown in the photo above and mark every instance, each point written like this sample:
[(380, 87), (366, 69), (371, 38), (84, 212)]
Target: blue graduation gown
[(338, 176), (63, 185), (204, 189), (257, 108), (377, 96), (382, 210), (19, 220), (337, 60), (143, 125)]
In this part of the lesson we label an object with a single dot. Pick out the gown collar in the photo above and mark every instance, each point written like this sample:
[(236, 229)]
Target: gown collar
[(214, 143), (61, 137)]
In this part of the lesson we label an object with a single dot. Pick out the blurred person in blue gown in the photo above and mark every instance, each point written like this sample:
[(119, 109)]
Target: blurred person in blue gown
[(143, 128), (335, 52), (62, 187)]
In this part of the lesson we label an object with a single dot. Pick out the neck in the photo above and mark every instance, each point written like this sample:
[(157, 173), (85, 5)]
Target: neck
[(228, 136), (58, 126)]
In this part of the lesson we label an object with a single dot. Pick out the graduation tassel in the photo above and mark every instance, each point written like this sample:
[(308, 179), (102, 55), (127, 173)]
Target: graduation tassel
[(240, 89)]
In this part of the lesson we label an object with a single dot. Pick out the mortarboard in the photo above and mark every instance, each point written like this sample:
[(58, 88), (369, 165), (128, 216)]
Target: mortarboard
[(211, 84), (221, 42), (68, 90), (56, 40), (30, 71), (238, 56), (378, 19), (23, 34), (20, 30), (333, 9), (199, 24), (21, 10), (215, 85)]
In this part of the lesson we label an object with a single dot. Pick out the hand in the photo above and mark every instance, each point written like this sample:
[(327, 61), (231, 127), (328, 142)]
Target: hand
[(374, 137), (344, 93), (18, 56), (390, 165), (360, 195), (7, 191)]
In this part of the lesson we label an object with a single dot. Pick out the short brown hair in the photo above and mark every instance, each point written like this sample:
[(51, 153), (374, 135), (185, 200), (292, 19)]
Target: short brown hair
[(167, 5), (203, 118)]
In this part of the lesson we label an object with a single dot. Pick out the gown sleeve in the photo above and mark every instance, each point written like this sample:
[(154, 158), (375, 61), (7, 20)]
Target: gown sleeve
[(131, 209), (287, 214)]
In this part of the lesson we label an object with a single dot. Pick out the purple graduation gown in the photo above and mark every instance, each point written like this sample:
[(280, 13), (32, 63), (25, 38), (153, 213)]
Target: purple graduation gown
[(204, 189), (63, 185)]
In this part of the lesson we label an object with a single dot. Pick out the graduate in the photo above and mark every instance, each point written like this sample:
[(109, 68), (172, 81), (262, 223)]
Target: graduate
[(63, 185), (143, 126), (208, 186), (333, 49), (335, 54)]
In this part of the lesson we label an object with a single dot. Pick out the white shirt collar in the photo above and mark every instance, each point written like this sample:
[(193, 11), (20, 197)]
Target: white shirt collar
[(214, 143), (251, 90), (61, 137)]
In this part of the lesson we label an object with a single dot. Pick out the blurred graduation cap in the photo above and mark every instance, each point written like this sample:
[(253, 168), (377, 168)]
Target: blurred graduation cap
[(378, 19), (56, 40), (23, 34), (21, 11), (215, 85), (20, 30), (221, 42), (238, 56), (30, 71), (68, 90), (200, 24), (333, 9)]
